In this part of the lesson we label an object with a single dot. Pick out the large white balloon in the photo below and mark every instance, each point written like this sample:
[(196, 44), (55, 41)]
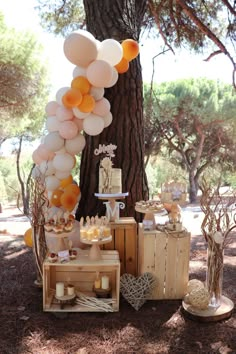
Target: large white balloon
[(52, 124), (53, 141), (60, 93), (111, 51), (93, 124), (80, 48), (97, 92), (79, 71), (51, 183), (114, 79), (63, 162), (78, 114), (102, 107), (99, 73), (107, 119), (47, 168), (62, 174), (76, 145)]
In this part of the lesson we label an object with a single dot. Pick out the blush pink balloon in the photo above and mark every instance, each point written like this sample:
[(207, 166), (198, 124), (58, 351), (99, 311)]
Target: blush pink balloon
[(63, 113), (52, 124), (102, 107), (68, 130), (36, 158), (44, 153), (79, 123), (51, 108)]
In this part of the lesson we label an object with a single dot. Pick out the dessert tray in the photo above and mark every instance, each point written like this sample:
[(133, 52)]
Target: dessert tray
[(94, 252)]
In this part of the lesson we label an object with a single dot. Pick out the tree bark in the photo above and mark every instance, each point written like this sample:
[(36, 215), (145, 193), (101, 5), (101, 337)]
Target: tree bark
[(118, 19), (193, 188)]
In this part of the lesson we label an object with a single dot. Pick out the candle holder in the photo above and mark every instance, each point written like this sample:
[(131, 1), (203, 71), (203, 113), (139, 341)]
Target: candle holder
[(102, 293), (66, 300)]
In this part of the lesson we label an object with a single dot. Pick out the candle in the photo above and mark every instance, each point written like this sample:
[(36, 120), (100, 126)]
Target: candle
[(105, 282), (70, 289), (97, 282), (59, 289)]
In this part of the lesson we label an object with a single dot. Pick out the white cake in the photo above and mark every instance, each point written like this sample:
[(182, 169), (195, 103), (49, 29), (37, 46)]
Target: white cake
[(110, 184)]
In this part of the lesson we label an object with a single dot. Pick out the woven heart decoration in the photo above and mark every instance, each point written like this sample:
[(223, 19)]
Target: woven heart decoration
[(137, 290)]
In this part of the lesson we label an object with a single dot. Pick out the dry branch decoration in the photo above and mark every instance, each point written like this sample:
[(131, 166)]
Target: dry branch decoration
[(217, 226), (38, 204)]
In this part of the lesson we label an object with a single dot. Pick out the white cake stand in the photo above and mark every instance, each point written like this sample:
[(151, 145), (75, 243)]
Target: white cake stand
[(112, 205), (95, 252), (149, 219)]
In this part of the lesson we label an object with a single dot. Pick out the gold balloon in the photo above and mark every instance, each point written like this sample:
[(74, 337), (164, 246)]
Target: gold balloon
[(28, 238)]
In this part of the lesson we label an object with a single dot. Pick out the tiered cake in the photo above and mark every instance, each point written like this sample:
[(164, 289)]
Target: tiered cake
[(115, 181)]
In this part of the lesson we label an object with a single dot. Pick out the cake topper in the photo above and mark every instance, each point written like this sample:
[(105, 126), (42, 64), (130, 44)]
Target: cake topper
[(106, 149)]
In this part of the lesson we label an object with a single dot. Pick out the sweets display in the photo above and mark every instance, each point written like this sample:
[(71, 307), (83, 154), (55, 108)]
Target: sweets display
[(94, 228), (59, 223)]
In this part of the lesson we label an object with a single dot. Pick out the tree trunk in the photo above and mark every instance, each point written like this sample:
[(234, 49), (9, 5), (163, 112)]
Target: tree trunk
[(118, 19), (193, 188)]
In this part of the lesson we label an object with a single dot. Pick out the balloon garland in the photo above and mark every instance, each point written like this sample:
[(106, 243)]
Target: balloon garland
[(77, 109)]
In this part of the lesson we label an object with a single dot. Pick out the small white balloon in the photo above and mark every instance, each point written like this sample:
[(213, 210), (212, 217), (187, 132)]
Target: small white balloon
[(53, 141), (51, 183), (111, 51), (76, 145), (93, 124), (60, 93), (62, 174), (99, 73), (78, 114), (79, 71), (107, 120), (114, 79), (52, 124), (97, 92), (63, 162), (218, 237)]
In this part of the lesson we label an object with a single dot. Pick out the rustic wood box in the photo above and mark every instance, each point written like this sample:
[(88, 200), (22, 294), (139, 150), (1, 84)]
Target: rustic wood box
[(125, 241), (80, 272), (167, 257)]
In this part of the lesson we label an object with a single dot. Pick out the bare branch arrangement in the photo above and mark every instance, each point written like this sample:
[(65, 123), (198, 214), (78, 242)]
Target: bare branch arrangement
[(217, 227), (38, 204)]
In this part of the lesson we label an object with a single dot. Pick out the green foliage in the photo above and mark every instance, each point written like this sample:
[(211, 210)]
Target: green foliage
[(10, 181), (23, 83)]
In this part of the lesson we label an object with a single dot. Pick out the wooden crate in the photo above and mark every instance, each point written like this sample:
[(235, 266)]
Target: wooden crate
[(125, 241), (167, 257), (82, 274)]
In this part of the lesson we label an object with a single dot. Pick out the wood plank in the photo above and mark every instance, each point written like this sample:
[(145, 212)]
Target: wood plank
[(120, 247), (148, 254), (170, 286), (182, 266), (131, 251), (160, 265)]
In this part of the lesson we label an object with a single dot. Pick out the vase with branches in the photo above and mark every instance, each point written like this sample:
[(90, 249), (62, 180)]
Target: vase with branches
[(217, 226)]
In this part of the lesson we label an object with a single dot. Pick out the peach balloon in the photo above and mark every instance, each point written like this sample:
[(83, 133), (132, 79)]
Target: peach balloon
[(79, 114), (68, 130), (68, 200), (60, 93), (53, 141), (87, 104), (79, 123), (73, 188), (82, 84), (63, 113), (80, 48), (99, 73), (93, 124), (102, 107), (44, 153), (56, 197), (76, 145), (36, 158), (72, 98), (51, 108), (130, 49), (66, 181), (52, 124), (122, 66)]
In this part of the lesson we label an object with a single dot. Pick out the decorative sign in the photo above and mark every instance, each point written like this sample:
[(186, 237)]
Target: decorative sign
[(113, 213), (105, 149)]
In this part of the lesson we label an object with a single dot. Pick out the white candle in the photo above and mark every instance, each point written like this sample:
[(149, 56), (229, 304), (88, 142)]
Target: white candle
[(59, 289), (70, 290), (105, 282)]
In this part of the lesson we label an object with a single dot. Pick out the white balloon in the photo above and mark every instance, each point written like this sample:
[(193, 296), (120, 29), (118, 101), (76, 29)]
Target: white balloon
[(51, 183), (60, 93), (80, 48), (63, 162), (52, 124), (99, 73), (97, 92), (102, 107), (51, 108), (79, 71), (93, 124), (76, 145), (114, 79), (79, 114), (47, 168), (62, 174), (111, 51), (61, 151), (107, 119), (53, 141)]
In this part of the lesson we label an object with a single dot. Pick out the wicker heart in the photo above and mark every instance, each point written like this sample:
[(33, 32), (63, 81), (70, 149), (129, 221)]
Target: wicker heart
[(137, 290)]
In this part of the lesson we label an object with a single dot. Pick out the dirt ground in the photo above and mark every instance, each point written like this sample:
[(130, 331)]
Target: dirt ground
[(158, 327)]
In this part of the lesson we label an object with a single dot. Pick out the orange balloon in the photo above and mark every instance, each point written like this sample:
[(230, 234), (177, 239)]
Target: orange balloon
[(122, 66), (64, 182), (81, 83), (56, 197), (72, 98), (87, 104), (73, 188), (69, 200), (130, 49), (28, 237)]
